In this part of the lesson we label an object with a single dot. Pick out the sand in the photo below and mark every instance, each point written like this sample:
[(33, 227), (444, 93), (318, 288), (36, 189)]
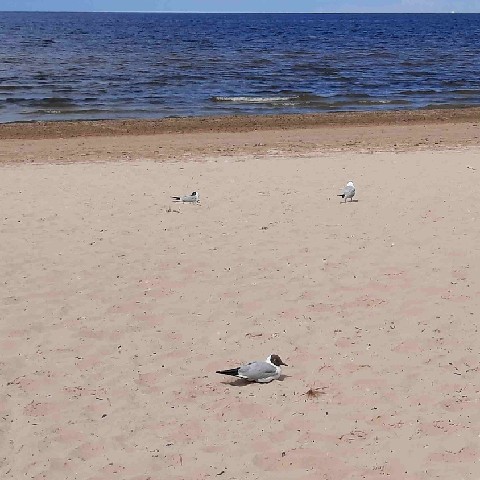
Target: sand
[(197, 139), (118, 306)]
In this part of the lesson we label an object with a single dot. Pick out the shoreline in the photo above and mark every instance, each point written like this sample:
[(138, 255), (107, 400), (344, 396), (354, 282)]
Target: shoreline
[(198, 139), (237, 123)]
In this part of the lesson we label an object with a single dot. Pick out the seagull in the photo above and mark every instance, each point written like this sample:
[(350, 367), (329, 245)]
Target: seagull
[(262, 372), (194, 197), (348, 192)]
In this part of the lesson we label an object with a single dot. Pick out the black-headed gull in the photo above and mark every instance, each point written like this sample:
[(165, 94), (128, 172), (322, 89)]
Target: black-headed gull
[(262, 372), (194, 197), (348, 192)]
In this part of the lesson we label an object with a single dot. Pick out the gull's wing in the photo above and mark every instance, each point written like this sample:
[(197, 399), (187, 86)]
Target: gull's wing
[(184, 198), (189, 198), (349, 191), (257, 370)]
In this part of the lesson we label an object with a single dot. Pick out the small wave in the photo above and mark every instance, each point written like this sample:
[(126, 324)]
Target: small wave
[(305, 97), (155, 82), (467, 91), (47, 112), (82, 112), (12, 61), (311, 100), (53, 102), (365, 103), (314, 68), (47, 41), (383, 102), (267, 100), (256, 62), (42, 76), (10, 88), (42, 103), (428, 91), (19, 101), (355, 95), (454, 83)]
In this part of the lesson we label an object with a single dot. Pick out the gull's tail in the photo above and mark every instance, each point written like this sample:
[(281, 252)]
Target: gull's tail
[(341, 195), (233, 372), (176, 198)]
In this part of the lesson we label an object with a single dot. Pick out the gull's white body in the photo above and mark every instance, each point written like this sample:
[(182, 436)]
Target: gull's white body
[(194, 197), (348, 192), (258, 371)]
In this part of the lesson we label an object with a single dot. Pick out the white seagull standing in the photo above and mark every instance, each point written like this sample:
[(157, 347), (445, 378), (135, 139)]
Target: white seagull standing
[(194, 197), (262, 372), (348, 192)]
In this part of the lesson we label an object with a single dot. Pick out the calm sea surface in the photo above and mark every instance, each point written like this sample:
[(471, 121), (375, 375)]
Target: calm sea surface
[(58, 66)]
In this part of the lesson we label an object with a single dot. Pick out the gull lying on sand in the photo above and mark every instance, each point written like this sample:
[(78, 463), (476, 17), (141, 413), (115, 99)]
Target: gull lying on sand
[(194, 197), (262, 372), (348, 192)]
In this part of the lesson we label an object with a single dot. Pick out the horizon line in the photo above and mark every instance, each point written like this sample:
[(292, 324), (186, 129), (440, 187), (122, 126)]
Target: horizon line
[(237, 12)]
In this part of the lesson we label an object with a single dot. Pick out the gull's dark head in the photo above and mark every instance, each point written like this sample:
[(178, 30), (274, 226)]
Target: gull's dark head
[(275, 360)]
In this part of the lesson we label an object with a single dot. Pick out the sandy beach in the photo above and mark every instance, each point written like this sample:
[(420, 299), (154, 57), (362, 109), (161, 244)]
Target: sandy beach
[(118, 305), (180, 139)]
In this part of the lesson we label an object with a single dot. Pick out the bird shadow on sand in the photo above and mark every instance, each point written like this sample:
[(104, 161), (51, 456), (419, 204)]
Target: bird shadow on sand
[(241, 382)]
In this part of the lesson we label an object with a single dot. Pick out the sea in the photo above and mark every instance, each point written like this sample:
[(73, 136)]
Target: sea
[(66, 66)]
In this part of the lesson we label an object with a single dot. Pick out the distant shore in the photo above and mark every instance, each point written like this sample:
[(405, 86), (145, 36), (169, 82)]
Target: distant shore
[(240, 123)]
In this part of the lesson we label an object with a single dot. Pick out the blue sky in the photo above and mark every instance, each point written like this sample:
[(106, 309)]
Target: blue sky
[(246, 5)]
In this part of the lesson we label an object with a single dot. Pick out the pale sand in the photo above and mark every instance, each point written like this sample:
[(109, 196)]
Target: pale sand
[(117, 307)]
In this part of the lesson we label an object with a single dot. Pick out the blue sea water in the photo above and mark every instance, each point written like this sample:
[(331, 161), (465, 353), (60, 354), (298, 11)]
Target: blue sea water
[(59, 66)]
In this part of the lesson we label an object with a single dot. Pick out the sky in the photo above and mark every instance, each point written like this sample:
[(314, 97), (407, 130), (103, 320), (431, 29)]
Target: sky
[(318, 6)]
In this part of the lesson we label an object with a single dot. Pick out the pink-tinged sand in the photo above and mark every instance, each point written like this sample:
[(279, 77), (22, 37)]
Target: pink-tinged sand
[(116, 311)]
